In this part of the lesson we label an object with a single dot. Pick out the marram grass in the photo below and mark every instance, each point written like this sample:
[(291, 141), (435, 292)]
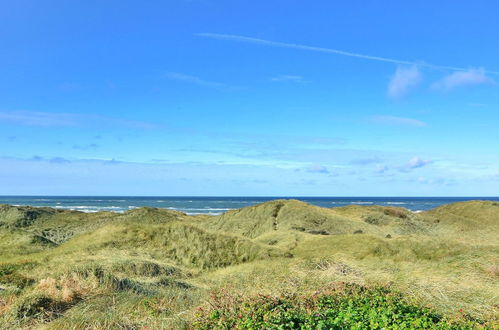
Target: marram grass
[(280, 264)]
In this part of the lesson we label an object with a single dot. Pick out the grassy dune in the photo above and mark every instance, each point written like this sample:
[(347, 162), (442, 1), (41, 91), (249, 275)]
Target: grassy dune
[(282, 262)]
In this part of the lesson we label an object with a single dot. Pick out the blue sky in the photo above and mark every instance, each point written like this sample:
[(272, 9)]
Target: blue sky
[(270, 98)]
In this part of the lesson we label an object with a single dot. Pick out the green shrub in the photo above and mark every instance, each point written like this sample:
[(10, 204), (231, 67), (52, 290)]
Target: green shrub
[(347, 307), (372, 219)]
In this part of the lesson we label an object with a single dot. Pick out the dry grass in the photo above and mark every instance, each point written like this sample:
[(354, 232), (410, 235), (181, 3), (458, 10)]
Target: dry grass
[(152, 267)]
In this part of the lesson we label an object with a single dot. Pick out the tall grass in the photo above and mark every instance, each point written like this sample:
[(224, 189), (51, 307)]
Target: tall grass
[(152, 267)]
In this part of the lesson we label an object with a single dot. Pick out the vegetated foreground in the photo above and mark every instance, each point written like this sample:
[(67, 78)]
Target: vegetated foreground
[(282, 264)]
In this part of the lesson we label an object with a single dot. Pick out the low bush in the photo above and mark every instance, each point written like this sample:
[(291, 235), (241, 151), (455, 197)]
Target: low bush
[(343, 307)]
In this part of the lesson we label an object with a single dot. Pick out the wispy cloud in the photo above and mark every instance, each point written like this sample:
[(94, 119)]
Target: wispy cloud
[(288, 78), (397, 121), (417, 162), (464, 78), (265, 42), (194, 80), (403, 80), (59, 119)]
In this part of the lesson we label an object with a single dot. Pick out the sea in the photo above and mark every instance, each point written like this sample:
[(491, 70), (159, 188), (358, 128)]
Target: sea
[(218, 205)]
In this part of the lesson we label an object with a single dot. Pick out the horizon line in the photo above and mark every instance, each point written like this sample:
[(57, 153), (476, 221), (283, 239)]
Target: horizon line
[(254, 196)]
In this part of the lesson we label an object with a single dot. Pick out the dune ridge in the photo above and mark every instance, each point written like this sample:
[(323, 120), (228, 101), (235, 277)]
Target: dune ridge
[(59, 268)]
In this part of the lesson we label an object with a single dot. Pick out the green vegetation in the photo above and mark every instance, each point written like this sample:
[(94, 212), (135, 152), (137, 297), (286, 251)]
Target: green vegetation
[(342, 307), (282, 263)]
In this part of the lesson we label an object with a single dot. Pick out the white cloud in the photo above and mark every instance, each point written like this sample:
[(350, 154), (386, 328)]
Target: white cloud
[(265, 42), (201, 82), (397, 121), (416, 162), (403, 80), (193, 80), (462, 78)]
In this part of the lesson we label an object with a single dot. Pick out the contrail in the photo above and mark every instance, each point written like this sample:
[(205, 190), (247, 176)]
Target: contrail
[(329, 50)]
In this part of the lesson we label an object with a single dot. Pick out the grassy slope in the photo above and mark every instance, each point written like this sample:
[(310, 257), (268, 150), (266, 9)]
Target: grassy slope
[(153, 267)]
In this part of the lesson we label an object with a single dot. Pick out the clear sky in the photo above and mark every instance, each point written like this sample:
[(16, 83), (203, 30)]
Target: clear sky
[(214, 97)]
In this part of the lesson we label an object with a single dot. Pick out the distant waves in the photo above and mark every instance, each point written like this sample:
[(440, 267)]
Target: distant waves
[(218, 205)]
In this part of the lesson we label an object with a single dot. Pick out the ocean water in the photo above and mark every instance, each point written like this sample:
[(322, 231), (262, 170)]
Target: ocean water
[(218, 205)]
